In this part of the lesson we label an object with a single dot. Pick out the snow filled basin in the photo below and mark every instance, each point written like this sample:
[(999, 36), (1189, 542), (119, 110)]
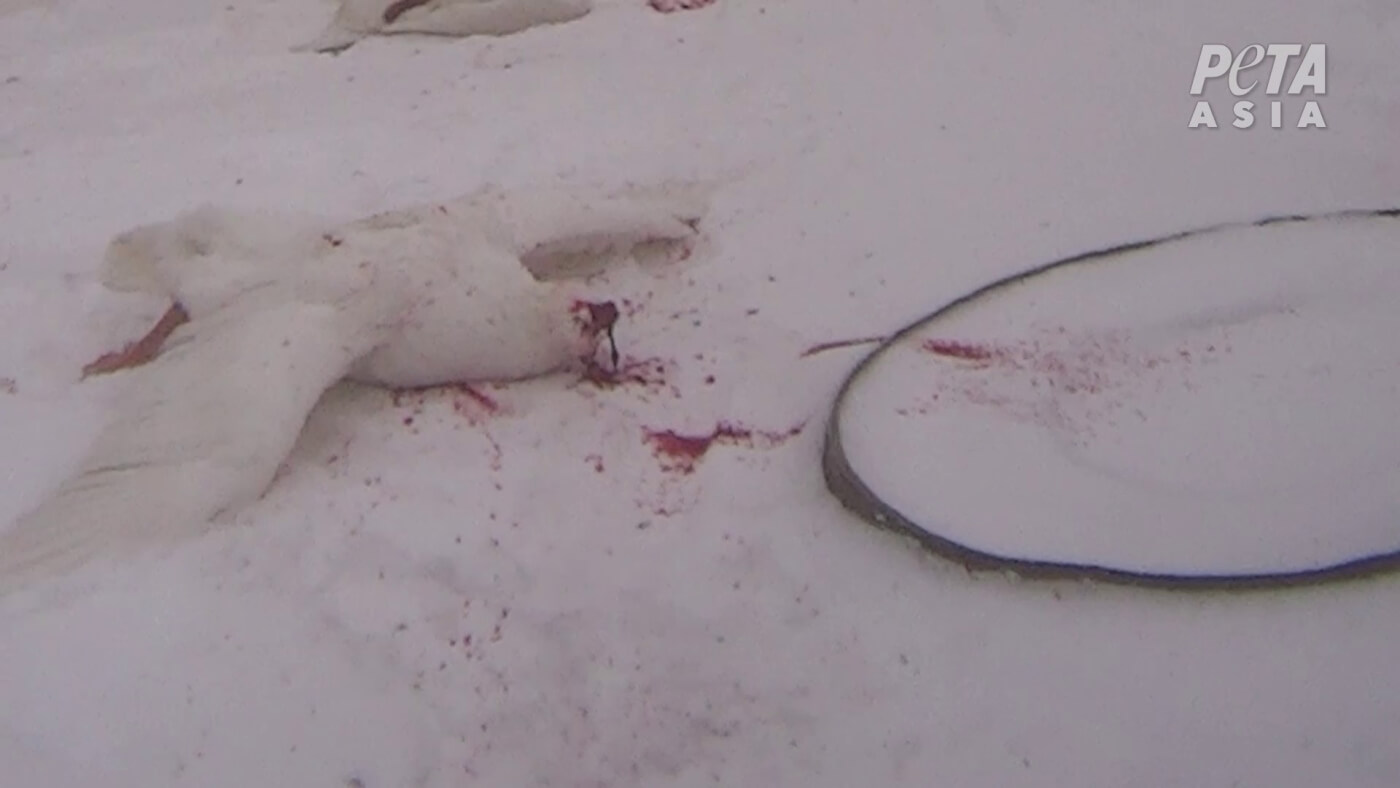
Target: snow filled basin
[(1228, 403)]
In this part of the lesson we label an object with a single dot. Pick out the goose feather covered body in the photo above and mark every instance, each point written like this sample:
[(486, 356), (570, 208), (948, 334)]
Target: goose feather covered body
[(282, 306)]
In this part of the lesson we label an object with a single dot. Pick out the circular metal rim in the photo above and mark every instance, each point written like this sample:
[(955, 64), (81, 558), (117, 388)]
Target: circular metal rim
[(850, 489)]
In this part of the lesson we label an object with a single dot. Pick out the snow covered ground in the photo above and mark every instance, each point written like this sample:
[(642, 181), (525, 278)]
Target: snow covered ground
[(525, 587)]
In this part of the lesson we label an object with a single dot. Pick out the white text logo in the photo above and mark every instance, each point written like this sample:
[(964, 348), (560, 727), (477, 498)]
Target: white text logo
[(1284, 103)]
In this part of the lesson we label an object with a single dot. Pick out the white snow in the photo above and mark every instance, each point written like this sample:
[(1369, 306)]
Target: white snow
[(631, 625)]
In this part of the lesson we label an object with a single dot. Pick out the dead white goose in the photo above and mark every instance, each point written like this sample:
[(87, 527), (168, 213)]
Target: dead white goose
[(270, 310)]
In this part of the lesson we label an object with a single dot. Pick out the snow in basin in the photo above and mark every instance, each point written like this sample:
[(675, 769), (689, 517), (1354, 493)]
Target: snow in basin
[(1230, 403)]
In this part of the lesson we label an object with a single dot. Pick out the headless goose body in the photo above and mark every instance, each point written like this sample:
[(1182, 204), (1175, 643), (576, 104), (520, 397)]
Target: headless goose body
[(281, 307), (355, 19)]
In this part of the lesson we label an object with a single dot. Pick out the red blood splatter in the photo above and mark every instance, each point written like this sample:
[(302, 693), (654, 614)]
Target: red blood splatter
[(487, 403), (1072, 381), (496, 453), (466, 399), (632, 308), (962, 350), (680, 453), (647, 373)]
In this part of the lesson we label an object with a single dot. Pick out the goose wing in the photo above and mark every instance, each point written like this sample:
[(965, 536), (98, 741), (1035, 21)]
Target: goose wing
[(200, 430)]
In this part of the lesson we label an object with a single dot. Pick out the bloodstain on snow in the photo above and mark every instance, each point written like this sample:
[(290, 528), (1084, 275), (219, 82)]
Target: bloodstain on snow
[(1068, 380), (681, 453), (487, 403), (466, 400), (962, 350), (496, 453), (648, 374)]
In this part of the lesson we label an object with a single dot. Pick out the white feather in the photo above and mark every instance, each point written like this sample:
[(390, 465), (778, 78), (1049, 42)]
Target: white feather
[(281, 308)]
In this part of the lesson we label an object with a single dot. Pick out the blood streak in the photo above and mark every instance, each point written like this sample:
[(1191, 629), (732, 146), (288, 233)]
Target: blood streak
[(962, 350), (681, 453)]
